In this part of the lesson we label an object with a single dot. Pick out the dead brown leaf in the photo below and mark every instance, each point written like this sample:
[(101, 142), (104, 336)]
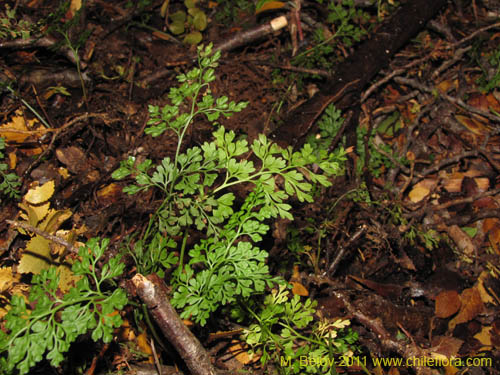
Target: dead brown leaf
[(73, 158), (446, 345), (472, 306), (447, 303), (485, 296), (473, 125)]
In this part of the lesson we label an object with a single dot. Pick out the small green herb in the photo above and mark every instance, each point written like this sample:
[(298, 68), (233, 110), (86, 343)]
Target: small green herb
[(195, 187), (346, 17), (9, 181), (285, 329), (190, 22), (345, 20), (50, 322), (232, 266), (329, 124), (153, 257), (490, 79), (12, 27), (379, 151)]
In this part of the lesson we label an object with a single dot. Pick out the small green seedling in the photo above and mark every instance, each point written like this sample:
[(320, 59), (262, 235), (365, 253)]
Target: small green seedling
[(190, 22)]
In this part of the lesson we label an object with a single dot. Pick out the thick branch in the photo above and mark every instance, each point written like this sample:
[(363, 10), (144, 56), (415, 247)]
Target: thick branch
[(152, 292)]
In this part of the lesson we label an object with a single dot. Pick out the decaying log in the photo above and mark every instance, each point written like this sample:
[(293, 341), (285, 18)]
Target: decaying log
[(353, 74)]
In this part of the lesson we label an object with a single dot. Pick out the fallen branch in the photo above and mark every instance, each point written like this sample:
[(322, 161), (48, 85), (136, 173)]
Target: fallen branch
[(152, 292), (470, 199), (39, 42), (358, 69), (235, 41), (457, 101)]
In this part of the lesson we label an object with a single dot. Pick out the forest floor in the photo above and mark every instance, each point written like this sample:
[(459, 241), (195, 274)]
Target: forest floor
[(401, 253)]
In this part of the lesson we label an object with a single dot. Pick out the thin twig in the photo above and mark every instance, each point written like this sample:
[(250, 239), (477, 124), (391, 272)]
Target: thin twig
[(474, 34), (56, 239), (342, 250), (470, 199), (37, 42), (394, 73), (466, 219), (457, 56), (233, 42), (406, 350), (319, 72), (155, 356), (451, 99), (445, 162)]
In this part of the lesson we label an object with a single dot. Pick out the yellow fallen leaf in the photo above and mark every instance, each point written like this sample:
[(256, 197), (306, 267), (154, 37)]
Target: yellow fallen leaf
[(341, 323), (34, 214), (485, 296), (296, 273), (36, 256), (240, 353), (7, 278), (67, 279), (17, 130), (144, 346), (75, 6), (12, 160), (270, 5), (63, 172), (422, 189), (40, 194), (418, 193), (109, 191), (54, 219), (299, 289), (450, 370), (484, 337)]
